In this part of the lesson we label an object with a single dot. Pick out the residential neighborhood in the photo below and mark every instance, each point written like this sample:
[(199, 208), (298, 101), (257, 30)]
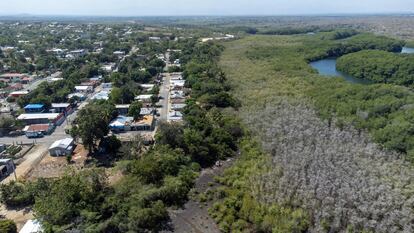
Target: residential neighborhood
[(94, 102)]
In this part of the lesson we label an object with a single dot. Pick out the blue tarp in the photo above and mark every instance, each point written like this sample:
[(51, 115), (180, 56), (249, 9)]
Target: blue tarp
[(34, 106)]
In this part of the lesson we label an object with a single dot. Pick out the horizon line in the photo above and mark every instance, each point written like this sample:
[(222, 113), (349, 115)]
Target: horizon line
[(208, 15)]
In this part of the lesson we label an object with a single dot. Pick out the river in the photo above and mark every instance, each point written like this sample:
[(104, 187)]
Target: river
[(327, 67)]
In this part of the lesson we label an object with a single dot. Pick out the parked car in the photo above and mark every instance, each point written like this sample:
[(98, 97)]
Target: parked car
[(16, 133)]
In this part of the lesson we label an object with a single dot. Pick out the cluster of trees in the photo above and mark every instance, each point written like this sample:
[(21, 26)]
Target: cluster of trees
[(336, 44), (73, 72), (379, 67), (91, 124)]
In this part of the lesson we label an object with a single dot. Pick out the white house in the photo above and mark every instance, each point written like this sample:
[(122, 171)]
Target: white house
[(84, 88), (62, 147), (144, 98)]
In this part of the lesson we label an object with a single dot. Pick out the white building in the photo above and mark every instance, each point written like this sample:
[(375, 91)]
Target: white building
[(62, 147), (144, 98), (84, 89)]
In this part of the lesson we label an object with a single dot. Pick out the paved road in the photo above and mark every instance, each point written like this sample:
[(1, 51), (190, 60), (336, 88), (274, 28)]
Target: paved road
[(58, 133), (165, 94)]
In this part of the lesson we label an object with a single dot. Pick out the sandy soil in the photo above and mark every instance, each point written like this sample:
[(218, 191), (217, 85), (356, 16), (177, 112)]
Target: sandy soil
[(19, 216), (51, 167)]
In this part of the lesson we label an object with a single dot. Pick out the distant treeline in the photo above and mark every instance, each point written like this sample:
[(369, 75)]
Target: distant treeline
[(379, 66), (342, 43)]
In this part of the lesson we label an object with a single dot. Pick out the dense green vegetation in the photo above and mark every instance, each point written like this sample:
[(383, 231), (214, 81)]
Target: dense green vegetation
[(379, 66), (410, 44), (8, 226), (266, 71)]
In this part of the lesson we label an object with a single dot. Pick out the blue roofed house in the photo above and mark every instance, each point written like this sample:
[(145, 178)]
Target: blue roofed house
[(121, 124), (34, 108)]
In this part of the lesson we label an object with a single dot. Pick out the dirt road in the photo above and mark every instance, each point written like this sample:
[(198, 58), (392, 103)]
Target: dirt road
[(30, 161), (194, 217)]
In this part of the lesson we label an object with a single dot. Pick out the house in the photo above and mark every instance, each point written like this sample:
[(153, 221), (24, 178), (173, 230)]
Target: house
[(6, 168), (62, 147), (122, 109), (12, 77), (177, 84), (175, 116), (78, 53), (32, 226), (106, 85), (119, 53), (146, 111), (14, 87), (177, 107), (102, 95), (177, 95), (154, 38), (38, 130), (84, 89), (144, 98), (26, 80), (92, 83), (96, 79), (146, 123), (42, 118), (61, 107), (57, 52), (79, 96), (17, 94), (177, 101), (147, 87), (108, 67), (121, 124), (34, 108)]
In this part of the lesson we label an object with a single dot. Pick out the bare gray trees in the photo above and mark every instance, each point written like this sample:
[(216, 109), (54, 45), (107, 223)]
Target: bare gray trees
[(339, 176)]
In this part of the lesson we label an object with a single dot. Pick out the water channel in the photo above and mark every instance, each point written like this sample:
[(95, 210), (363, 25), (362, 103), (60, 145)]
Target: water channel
[(327, 67)]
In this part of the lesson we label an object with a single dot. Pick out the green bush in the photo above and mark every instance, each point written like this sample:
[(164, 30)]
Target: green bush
[(8, 226)]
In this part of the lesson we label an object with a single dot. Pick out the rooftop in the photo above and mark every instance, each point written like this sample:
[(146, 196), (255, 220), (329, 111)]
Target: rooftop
[(60, 105), (146, 120), (50, 116), (35, 106), (63, 143)]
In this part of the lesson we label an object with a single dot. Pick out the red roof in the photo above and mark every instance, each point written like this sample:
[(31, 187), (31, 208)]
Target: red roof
[(38, 128), (7, 75)]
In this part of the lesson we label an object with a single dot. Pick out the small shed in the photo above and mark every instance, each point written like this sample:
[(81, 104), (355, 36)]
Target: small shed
[(6, 167), (62, 147)]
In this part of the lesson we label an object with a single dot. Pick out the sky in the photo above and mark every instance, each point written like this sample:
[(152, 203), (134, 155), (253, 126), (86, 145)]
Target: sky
[(205, 7)]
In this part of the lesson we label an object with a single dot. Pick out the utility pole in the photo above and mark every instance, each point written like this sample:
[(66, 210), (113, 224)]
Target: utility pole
[(14, 171)]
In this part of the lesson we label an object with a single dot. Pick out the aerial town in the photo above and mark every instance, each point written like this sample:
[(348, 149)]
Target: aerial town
[(116, 122), (83, 96)]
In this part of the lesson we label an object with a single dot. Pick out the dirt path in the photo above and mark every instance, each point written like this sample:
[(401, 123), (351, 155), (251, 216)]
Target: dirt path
[(32, 159), (194, 217), (19, 216)]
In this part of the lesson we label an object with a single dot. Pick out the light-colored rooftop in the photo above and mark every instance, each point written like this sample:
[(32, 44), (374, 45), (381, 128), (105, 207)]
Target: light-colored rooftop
[(60, 105), (32, 116), (63, 143)]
